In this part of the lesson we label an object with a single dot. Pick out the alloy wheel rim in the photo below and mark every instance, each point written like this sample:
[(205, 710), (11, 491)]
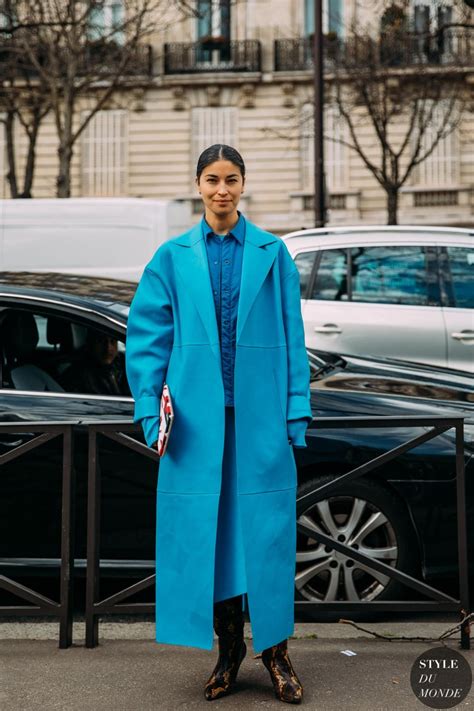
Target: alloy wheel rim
[(323, 574)]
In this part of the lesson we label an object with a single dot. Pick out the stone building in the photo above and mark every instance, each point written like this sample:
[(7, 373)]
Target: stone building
[(241, 73)]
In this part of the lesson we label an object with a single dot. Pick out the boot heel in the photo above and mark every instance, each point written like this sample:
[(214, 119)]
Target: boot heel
[(222, 679), (286, 685)]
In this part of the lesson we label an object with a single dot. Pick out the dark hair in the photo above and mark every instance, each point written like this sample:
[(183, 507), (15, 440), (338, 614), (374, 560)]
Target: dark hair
[(219, 151)]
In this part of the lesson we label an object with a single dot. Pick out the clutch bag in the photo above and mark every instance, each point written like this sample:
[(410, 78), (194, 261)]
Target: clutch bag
[(166, 420)]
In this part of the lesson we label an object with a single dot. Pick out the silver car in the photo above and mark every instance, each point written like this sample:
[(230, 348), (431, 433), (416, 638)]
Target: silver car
[(404, 292)]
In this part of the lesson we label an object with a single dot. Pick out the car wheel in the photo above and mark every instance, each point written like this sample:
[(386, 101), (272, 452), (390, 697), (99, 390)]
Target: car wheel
[(370, 518)]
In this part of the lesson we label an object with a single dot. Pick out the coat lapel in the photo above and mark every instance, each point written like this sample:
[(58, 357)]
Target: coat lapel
[(194, 269), (258, 256)]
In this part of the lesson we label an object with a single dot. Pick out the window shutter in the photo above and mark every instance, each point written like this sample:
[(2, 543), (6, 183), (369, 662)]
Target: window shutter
[(211, 125), (335, 153), (104, 155), (307, 147), (3, 159), (441, 168), (422, 18)]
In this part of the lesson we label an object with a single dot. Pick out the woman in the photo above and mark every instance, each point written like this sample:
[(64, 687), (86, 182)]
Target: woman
[(217, 317)]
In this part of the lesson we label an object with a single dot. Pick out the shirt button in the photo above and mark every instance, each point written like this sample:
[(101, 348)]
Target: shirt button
[(216, 262), (215, 292)]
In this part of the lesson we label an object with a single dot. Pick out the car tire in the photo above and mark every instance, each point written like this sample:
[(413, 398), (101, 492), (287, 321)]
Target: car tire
[(380, 527)]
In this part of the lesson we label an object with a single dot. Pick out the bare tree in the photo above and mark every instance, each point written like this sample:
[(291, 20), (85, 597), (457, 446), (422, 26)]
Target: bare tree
[(23, 100), (409, 86), (407, 83), (78, 50)]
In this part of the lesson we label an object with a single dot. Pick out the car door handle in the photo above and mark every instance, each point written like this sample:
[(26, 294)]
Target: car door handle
[(328, 328), (461, 335)]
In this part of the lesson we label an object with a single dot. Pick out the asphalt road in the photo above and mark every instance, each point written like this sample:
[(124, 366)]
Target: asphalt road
[(129, 671), (123, 675)]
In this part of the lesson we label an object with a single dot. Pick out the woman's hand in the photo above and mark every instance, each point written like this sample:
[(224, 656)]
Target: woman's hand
[(296, 432)]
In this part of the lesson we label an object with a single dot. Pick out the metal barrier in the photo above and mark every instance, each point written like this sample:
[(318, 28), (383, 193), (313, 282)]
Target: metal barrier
[(64, 608), (441, 601), (94, 606)]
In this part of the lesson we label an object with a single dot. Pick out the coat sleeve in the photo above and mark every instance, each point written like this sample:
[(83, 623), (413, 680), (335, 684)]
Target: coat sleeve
[(149, 343), (299, 407)]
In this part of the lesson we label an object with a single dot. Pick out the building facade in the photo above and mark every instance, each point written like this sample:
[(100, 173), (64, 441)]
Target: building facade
[(242, 73)]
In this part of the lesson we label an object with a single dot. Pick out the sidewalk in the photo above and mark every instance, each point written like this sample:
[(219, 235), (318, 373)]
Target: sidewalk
[(128, 671)]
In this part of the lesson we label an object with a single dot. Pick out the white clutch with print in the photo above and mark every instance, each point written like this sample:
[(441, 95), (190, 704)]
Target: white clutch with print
[(166, 420)]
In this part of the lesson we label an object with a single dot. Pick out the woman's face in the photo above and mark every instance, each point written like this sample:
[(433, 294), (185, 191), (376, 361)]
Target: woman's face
[(221, 184)]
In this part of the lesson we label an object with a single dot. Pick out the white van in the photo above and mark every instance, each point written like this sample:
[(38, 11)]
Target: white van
[(107, 237)]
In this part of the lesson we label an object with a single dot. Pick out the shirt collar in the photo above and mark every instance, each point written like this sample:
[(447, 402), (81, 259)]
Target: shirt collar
[(238, 231)]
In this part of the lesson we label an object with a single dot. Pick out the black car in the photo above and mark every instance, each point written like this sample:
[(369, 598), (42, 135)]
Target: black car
[(403, 513)]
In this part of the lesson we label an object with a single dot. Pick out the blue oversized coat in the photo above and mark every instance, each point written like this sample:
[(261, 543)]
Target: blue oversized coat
[(172, 337)]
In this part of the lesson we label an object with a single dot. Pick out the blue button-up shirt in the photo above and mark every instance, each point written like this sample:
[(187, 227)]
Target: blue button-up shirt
[(224, 254)]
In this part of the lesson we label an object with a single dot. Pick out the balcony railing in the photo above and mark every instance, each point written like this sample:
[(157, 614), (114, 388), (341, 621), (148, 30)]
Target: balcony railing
[(98, 59), (105, 58), (297, 54), (453, 47), (217, 56)]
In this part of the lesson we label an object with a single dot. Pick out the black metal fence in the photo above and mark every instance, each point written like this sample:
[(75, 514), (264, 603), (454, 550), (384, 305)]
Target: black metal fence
[(100, 59), (451, 47), (120, 432), (439, 601), (40, 604), (113, 604), (214, 55)]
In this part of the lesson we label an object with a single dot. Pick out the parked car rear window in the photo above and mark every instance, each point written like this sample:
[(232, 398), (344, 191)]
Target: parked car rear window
[(331, 280), (461, 264), (304, 262), (389, 275)]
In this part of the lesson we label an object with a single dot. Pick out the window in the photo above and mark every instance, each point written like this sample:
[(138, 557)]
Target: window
[(335, 153), (429, 15), (441, 167), (49, 353), (304, 263), (211, 125), (213, 28), (427, 18), (213, 18), (8, 16), (331, 278), (104, 155), (390, 275), (107, 20), (461, 268), (332, 17)]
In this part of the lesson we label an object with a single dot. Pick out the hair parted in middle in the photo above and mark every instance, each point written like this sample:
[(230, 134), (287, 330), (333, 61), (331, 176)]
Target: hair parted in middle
[(220, 151)]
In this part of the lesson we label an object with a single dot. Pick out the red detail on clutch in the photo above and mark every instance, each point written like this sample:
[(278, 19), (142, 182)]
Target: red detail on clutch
[(166, 420)]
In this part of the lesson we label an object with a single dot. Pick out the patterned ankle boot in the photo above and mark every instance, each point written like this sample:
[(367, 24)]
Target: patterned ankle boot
[(229, 628), (285, 682)]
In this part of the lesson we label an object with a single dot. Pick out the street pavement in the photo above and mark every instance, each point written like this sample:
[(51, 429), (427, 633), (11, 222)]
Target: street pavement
[(129, 671)]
